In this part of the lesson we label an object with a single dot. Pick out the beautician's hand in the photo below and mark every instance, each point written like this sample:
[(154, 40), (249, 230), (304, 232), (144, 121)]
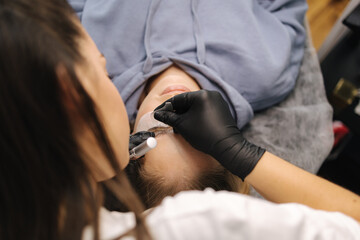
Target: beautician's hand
[(139, 138), (203, 118)]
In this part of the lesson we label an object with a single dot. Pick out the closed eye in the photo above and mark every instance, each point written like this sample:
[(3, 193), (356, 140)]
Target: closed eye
[(161, 130)]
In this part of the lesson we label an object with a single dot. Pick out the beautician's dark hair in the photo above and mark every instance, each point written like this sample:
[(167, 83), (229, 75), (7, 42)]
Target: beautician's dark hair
[(45, 190)]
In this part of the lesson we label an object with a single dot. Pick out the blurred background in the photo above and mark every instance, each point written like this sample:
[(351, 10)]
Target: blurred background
[(322, 16), (335, 32)]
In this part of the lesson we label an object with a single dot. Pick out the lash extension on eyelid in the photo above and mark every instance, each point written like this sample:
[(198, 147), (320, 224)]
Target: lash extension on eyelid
[(161, 130)]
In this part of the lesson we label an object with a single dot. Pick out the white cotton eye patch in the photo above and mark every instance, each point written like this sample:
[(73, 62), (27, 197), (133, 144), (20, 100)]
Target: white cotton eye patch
[(147, 121)]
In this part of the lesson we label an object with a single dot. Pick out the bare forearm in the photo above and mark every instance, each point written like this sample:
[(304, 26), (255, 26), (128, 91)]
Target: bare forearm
[(282, 182)]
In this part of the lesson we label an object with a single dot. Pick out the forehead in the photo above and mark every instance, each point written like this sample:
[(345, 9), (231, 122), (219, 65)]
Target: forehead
[(175, 159)]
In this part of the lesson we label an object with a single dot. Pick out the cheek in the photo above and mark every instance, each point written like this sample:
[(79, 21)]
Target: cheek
[(124, 133), (116, 121), (122, 125), (166, 161)]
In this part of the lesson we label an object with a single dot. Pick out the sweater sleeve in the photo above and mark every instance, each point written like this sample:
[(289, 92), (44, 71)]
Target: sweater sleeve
[(258, 48), (291, 15)]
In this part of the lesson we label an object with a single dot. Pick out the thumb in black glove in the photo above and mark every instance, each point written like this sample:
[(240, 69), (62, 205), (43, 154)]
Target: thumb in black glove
[(135, 140), (138, 138), (203, 118)]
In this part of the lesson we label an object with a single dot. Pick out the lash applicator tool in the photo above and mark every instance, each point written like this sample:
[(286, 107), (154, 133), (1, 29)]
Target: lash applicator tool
[(142, 148)]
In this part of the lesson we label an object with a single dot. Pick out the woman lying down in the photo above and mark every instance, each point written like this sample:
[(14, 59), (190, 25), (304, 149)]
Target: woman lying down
[(249, 51), (174, 165)]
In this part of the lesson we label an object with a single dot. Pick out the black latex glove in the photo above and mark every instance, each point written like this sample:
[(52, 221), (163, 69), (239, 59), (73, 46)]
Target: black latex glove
[(135, 140), (203, 118), (139, 138)]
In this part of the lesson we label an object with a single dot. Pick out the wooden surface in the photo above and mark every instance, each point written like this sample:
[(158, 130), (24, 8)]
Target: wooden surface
[(322, 15)]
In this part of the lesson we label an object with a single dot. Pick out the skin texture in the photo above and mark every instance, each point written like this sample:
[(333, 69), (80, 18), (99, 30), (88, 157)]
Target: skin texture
[(311, 190), (173, 157), (110, 108)]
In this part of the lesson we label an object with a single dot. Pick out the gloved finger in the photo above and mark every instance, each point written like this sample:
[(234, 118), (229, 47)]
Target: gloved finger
[(141, 135), (180, 103), (169, 118), (138, 138), (161, 106), (165, 106)]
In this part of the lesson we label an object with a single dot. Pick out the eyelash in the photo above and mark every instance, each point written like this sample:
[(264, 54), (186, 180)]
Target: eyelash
[(159, 130)]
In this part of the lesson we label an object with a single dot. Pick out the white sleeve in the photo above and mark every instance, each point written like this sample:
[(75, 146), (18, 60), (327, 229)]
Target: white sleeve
[(224, 215)]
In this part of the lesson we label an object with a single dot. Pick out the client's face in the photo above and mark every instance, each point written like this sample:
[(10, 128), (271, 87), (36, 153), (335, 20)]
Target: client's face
[(173, 158), (171, 82)]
